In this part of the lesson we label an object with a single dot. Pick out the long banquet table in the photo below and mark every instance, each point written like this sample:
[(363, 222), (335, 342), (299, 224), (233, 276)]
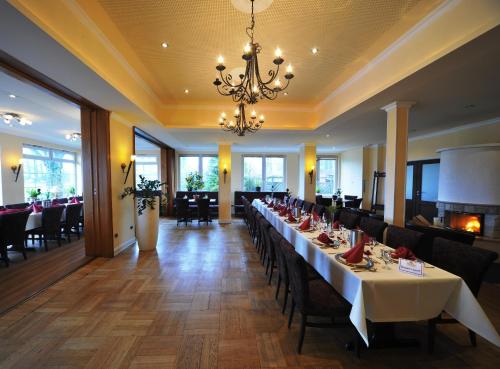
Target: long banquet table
[(35, 219), (388, 295)]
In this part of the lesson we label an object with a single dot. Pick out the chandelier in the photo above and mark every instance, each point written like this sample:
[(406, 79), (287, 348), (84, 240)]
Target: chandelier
[(9, 118), (251, 86), (240, 125)]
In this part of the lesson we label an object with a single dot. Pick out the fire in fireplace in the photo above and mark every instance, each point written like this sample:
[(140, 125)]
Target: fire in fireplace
[(469, 222)]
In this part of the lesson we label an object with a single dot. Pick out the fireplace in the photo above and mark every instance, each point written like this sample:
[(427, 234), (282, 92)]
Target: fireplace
[(462, 221)]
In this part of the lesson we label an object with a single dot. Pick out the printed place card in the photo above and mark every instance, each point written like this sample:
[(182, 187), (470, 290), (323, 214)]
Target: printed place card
[(411, 267)]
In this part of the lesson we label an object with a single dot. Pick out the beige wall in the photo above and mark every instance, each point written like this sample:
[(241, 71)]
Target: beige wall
[(425, 148), (351, 172), (121, 143), (11, 150)]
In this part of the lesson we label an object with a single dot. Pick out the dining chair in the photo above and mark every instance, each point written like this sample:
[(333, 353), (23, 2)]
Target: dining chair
[(319, 209), (203, 210), (348, 219), (350, 197), (470, 264), (21, 205), (71, 223), (299, 203), (51, 226), (398, 236), (311, 297), (182, 211), (270, 254), (307, 206), (12, 233), (373, 227)]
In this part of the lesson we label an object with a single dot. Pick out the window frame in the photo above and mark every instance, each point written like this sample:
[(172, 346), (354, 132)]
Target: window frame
[(200, 166), (158, 166), (51, 157), (263, 174), (318, 170)]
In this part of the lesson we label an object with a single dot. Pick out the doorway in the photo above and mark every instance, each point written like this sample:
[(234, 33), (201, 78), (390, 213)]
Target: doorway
[(422, 181)]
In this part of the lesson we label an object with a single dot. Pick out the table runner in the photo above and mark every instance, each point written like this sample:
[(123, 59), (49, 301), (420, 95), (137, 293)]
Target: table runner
[(388, 295)]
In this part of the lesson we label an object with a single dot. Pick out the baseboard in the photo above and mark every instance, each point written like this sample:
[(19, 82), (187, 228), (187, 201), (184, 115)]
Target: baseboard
[(225, 221), (125, 245)]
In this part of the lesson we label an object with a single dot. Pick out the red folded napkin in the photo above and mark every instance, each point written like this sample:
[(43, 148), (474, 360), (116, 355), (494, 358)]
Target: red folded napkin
[(35, 208), (355, 254), (271, 204), (291, 219), (315, 216), (323, 237), (54, 202), (304, 226), (283, 212), (403, 253), (74, 200), (336, 225)]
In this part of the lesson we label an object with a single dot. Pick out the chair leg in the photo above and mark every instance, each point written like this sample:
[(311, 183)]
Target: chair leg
[(302, 332), (472, 337), (267, 264), (431, 333), (271, 273), (45, 243), (285, 299), (290, 317), (278, 284)]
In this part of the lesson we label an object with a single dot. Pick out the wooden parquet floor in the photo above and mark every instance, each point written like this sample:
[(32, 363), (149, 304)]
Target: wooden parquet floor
[(200, 301)]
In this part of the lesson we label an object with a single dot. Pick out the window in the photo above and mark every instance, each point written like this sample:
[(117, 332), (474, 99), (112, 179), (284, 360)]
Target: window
[(205, 165), (326, 176), (52, 171), (267, 172), (147, 166)]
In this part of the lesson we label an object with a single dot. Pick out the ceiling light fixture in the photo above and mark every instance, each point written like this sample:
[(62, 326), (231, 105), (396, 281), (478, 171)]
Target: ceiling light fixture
[(12, 96), (73, 136), (251, 86), (164, 44), (241, 124), (186, 91), (314, 50), (9, 118)]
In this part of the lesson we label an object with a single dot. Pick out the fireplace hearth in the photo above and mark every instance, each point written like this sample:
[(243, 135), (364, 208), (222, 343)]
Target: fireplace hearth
[(462, 221)]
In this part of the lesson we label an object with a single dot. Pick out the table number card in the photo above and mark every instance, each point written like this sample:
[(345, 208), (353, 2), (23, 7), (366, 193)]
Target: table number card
[(411, 267)]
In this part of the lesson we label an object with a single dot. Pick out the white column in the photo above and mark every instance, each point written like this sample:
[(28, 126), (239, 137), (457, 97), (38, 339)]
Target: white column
[(307, 165), (395, 161)]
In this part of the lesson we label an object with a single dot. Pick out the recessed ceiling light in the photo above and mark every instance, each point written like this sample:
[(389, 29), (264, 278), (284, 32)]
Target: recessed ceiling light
[(186, 91), (164, 44), (314, 50), (12, 96), (327, 135)]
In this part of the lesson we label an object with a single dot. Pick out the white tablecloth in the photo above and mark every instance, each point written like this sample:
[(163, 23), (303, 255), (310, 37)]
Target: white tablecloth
[(388, 295), (35, 219)]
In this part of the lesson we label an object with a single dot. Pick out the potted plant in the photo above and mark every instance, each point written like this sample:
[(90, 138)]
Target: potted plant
[(72, 191), (194, 182), (148, 194), (33, 194)]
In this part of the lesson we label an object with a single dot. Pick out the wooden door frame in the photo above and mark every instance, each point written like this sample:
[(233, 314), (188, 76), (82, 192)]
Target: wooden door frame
[(417, 180), (95, 155)]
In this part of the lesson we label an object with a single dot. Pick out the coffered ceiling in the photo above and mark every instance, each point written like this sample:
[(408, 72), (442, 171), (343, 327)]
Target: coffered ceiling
[(348, 34)]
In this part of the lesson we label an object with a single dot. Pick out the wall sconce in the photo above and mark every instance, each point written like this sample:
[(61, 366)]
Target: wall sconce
[(123, 166), (224, 171), (16, 169), (311, 172)]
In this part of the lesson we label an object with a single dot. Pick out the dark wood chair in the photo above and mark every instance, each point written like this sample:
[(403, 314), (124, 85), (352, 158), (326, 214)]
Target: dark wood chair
[(397, 236), (469, 263), (12, 233), (311, 297), (373, 227), (354, 203), (319, 209), (270, 254), (51, 226), (307, 206), (299, 203), (71, 225), (350, 197), (182, 211), (21, 205), (203, 210), (348, 219)]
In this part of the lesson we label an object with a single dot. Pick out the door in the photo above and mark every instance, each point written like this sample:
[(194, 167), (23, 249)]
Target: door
[(422, 180)]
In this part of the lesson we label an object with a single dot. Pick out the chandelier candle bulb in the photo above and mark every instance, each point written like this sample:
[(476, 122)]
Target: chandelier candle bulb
[(247, 49), (220, 60), (254, 114), (223, 115)]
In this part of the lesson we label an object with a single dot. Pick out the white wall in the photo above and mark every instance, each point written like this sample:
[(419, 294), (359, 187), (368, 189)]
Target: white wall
[(11, 150), (351, 172)]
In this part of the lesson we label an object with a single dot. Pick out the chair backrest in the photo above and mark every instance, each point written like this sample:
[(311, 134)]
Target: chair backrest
[(397, 236), (21, 205), (319, 198), (297, 273), (373, 227), (266, 239), (350, 197), (299, 203), (319, 209), (12, 228), (73, 212), (51, 219), (276, 239), (307, 206), (181, 208), (354, 203), (203, 208), (348, 219), (63, 200), (469, 263)]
